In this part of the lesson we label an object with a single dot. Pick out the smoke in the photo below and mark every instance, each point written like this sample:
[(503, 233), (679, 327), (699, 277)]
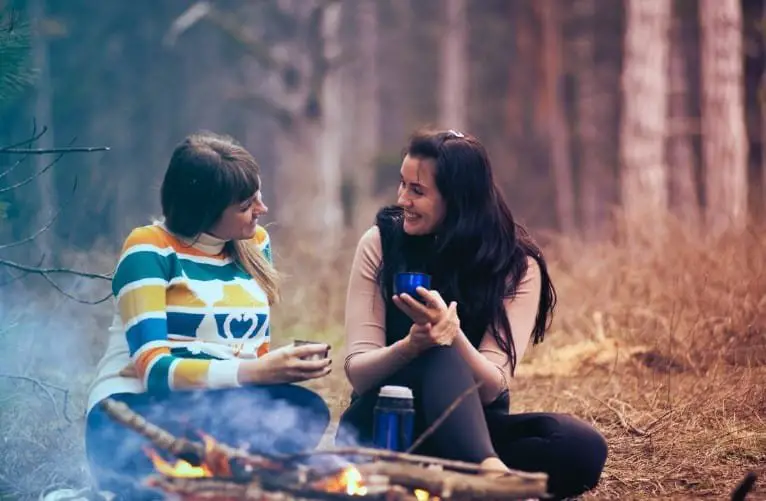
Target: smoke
[(49, 345)]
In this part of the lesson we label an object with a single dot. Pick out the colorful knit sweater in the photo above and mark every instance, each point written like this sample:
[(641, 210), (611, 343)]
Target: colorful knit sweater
[(187, 314)]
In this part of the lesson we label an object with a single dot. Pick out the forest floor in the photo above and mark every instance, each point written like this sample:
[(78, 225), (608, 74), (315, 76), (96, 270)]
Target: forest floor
[(663, 350)]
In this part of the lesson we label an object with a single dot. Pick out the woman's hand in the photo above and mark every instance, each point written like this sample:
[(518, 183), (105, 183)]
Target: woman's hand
[(285, 365), (425, 336), (431, 312)]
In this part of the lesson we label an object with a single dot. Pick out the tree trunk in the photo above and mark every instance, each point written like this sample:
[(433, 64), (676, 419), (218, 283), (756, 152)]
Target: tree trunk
[(330, 158), (297, 187), (554, 116), (46, 199), (453, 113), (723, 118), (596, 78), (367, 120), (644, 126), (680, 152)]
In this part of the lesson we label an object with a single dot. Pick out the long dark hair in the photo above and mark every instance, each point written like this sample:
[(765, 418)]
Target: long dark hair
[(207, 173), (478, 255)]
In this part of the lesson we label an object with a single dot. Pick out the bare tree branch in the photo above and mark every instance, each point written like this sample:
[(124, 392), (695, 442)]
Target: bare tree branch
[(15, 164), (72, 296), (34, 235), (48, 271), (32, 139), (33, 176), (47, 151), (264, 103)]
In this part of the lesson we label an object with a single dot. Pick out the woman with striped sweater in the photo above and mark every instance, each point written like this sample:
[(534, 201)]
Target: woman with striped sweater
[(189, 346)]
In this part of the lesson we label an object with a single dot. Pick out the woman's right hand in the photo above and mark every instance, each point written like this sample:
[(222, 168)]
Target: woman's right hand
[(285, 365), (425, 336)]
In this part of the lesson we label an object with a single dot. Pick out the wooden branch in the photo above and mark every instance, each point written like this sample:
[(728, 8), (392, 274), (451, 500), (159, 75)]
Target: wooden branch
[(405, 458), (49, 151), (449, 410), (192, 452), (452, 485)]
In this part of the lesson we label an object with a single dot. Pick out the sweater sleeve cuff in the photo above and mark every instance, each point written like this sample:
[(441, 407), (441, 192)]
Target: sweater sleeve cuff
[(223, 374)]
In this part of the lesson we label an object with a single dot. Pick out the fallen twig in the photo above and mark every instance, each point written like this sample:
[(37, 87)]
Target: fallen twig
[(623, 421)]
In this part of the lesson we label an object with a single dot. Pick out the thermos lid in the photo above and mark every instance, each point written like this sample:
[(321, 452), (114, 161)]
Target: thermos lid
[(395, 392)]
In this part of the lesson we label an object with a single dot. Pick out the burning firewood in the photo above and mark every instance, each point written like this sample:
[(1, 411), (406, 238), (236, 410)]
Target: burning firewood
[(224, 473)]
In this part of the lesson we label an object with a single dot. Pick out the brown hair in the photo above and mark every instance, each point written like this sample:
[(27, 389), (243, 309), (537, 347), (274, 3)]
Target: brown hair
[(206, 174)]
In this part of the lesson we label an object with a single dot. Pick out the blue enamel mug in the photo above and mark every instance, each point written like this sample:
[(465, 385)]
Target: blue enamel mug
[(407, 282)]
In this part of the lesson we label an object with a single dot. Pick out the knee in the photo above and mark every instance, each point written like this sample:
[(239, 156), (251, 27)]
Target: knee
[(586, 450), (442, 358), (312, 406)]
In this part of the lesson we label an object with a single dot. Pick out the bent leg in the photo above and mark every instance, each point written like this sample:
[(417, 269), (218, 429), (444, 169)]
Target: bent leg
[(279, 419), (437, 377), (568, 449)]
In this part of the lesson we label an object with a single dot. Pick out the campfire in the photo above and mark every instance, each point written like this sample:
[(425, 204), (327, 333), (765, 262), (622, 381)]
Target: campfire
[(209, 470)]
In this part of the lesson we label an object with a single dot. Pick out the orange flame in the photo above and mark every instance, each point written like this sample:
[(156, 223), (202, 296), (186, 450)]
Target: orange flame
[(214, 464), (349, 481), (423, 495), (180, 468)]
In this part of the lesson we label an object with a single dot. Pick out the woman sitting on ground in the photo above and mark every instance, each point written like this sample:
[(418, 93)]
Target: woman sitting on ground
[(491, 294), (189, 349)]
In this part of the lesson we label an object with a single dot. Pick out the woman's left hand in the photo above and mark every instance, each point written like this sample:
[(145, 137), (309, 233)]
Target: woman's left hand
[(433, 311)]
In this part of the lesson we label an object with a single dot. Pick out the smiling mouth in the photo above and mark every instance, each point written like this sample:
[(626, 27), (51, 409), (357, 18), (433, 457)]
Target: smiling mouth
[(409, 216)]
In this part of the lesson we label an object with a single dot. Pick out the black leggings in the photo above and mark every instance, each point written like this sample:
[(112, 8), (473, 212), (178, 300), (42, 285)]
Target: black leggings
[(569, 450), (268, 419)]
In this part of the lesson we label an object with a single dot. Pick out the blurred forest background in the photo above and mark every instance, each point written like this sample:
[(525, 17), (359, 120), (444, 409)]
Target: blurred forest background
[(629, 135)]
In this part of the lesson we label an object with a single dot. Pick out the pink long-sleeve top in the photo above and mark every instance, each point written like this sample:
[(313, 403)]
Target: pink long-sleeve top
[(369, 361)]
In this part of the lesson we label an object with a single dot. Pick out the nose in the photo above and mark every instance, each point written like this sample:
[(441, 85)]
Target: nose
[(402, 200), (260, 208)]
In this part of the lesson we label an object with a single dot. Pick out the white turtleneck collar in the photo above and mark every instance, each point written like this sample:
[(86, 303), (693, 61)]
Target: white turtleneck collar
[(205, 242)]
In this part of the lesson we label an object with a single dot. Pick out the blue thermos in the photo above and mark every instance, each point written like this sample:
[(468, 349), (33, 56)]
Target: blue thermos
[(394, 419)]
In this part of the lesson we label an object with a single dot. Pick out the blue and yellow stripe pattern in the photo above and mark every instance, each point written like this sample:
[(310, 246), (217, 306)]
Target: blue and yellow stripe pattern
[(189, 317)]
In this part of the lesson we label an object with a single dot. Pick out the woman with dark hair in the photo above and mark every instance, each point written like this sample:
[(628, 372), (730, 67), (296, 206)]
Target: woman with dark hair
[(490, 295), (189, 348)]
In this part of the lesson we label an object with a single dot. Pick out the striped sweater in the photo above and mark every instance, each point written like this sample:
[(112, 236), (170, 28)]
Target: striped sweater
[(186, 315)]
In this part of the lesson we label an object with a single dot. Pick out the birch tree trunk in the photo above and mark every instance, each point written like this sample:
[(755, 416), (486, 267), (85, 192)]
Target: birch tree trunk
[(644, 126), (557, 129), (680, 152), (724, 135), (453, 97)]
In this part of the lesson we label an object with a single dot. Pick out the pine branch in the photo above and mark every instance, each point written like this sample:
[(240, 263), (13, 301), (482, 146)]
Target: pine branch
[(16, 72)]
